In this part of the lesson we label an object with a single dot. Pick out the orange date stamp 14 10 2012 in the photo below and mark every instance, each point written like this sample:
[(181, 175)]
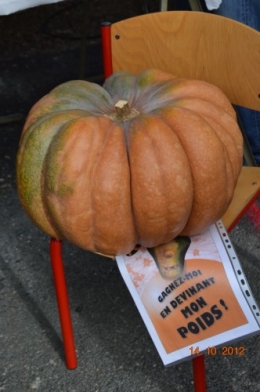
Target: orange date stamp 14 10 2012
[(223, 351)]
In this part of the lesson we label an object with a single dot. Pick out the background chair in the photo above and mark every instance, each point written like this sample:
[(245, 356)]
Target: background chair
[(193, 45)]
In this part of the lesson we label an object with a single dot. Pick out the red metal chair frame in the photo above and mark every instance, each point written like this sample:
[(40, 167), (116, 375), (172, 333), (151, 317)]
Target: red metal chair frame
[(63, 303)]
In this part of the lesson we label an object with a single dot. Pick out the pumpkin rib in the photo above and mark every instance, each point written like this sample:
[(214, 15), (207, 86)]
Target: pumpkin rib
[(230, 172), (233, 161), (29, 128), (30, 160), (159, 213), (226, 119), (207, 110), (59, 184), (152, 76), (205, 182), (147, 97), (57, 106), (229, 142), (115, 202), (81, 91), (121, 88), (33, 113), (68, 97), (77, 217), (203, 91)]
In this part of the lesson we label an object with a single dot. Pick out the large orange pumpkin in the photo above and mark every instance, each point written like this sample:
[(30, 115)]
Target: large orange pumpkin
[(141, 160)]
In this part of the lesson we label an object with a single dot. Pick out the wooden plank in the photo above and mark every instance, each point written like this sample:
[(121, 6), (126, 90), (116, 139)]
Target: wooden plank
[(247, 190)]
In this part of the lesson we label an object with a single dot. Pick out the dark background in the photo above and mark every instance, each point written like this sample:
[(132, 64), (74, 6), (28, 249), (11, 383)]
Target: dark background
[(43, 46)]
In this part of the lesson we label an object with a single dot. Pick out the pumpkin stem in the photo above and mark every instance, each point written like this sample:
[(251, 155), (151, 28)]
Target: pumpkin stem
[(123, 111), (122, 108)]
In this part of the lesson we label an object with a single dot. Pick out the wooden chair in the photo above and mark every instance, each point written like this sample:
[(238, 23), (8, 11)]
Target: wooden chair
[(188, 44), (198, 46)]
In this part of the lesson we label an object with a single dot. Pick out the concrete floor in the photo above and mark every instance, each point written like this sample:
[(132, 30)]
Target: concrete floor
[(115, 352)]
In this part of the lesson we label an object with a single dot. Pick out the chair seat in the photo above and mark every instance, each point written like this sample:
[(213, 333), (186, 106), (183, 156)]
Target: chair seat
[(247, 190)]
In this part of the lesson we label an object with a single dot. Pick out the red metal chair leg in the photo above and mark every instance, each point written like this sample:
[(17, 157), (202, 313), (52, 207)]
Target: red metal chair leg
[(199, 374), (106, 49), (63, 303)]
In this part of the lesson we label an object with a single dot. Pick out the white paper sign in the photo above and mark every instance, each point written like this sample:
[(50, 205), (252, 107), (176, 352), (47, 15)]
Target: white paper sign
[(198, 302)]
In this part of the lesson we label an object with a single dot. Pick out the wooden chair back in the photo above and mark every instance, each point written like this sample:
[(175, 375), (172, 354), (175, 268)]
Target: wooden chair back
[(193, 45)]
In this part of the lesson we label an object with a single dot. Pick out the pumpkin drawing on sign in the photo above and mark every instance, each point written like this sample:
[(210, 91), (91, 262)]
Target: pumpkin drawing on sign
[(140, 160), (170, 257)]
